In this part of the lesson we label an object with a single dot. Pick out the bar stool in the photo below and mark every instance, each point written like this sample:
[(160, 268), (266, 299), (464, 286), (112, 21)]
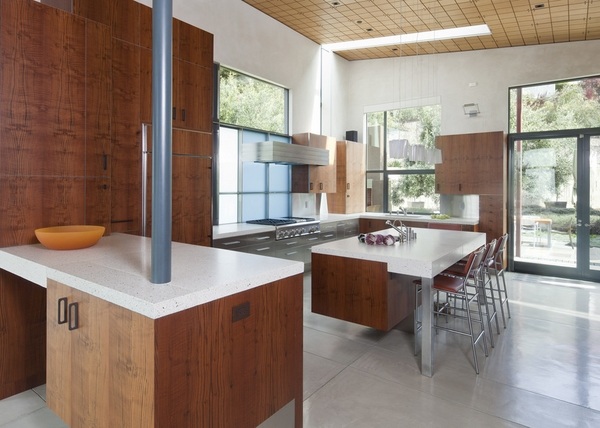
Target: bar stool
[(487, 289), (456, 287), (496, 267)]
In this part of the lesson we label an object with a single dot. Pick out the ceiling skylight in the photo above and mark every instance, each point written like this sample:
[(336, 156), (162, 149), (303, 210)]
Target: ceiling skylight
[(403, 39)]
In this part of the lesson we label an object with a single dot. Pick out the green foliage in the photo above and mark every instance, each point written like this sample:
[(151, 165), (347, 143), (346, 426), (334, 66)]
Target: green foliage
[(249, 102), (565, 105)]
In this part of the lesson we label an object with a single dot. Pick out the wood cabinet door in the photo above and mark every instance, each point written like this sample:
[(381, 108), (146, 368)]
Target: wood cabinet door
[(191, 188), (355, 177), (192, 96), (77, 384), (313, 178)]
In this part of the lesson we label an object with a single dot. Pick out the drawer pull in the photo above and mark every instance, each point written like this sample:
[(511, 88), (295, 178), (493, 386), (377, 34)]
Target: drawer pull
[(231, 243), (73, 316), (291, 253), (263, 249), (62, 310), (262, 238), (328, 236), (313, 239)]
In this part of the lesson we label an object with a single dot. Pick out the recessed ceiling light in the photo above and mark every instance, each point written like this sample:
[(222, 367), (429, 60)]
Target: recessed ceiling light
[(539, 6), (335, 3), (403, 39)]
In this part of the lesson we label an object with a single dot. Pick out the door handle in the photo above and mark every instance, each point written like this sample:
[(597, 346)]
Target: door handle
[(62, 310), (74, 316)]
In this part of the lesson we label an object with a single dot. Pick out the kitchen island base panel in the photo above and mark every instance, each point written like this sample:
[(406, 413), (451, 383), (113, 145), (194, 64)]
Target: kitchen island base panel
[(362, 292), (232, 362), (22, 335)]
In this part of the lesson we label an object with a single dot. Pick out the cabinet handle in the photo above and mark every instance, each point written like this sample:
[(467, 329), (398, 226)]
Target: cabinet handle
[(105, 162), (183, 114), (62, 310), (262, 238), (437, 186), (347, 186), (231, 243), (259, 250), (320, 186), (310, 186), (174, 113), (73, 316), (460, 187)]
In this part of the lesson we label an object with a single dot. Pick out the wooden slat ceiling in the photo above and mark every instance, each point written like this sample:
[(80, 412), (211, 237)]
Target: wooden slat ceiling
[(512, 22)]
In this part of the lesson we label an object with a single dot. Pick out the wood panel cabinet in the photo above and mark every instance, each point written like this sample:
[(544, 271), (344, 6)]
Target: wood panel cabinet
[(126, 195), (477, 164), (231, 362), (22, 335), (472, 164), (369, 225), (350, 186), (192, 90), (191, 187), (55, 101), (362, 292), (314, 178)]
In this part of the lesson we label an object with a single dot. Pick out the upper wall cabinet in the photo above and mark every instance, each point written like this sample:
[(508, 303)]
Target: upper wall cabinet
[(472, 164), (313, 178), (350, 195)]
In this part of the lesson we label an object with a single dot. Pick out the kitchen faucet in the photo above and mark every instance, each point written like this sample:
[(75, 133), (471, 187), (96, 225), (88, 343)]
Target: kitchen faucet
[(405, 233)]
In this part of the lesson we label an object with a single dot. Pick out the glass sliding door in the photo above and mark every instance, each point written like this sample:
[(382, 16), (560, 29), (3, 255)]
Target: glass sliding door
[(555, 204)]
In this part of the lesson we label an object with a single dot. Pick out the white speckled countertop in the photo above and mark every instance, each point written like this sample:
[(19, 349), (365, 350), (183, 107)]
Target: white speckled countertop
[(433, 250), (117, 269)]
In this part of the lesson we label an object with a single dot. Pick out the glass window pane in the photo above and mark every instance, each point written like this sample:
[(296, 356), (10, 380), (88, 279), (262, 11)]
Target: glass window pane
[(572, 104), (254, 177), (279, 205), (375, 140), (228, 160), (253, 206), (250, 102), (228, 209), (413, 192), (279, 178), (375, 192)]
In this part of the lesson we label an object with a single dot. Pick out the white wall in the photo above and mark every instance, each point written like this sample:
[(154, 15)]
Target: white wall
[(252, 42), (389, 82)]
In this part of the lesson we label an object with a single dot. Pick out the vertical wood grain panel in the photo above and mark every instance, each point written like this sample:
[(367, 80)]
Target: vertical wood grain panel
[(126, 151), (212, 371), (22, 335), (131, 356), (59, 378), (359, 291)]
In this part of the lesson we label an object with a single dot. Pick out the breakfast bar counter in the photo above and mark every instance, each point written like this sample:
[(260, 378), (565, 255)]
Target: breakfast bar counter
[(371, 284), (219, 345)]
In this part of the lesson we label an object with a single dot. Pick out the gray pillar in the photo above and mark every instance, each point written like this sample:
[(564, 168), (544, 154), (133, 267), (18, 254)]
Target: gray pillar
[(162, 135)]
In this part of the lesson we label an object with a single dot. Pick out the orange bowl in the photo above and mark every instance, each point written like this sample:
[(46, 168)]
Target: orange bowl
[(69, 237)]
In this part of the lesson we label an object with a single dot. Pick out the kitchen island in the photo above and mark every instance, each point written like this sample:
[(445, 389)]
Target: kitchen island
[(220, 345), (372, 284)]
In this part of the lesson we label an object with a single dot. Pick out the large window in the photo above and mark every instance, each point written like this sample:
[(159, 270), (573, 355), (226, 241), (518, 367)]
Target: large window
[(401, 159), (250, 111)]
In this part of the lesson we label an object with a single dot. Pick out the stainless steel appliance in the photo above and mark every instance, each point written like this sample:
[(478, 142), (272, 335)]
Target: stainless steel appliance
[(290, 227)]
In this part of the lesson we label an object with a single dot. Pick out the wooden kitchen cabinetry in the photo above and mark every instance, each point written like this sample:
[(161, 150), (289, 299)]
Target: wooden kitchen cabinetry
[(315, 178), (369, 225), (190, 369), (55, 130), (472, 164), (191, 187), (476, 164), (363, 292), (350, 195)]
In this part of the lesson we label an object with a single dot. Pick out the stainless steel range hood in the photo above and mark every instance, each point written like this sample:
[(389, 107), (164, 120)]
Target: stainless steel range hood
[(284, 153)]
